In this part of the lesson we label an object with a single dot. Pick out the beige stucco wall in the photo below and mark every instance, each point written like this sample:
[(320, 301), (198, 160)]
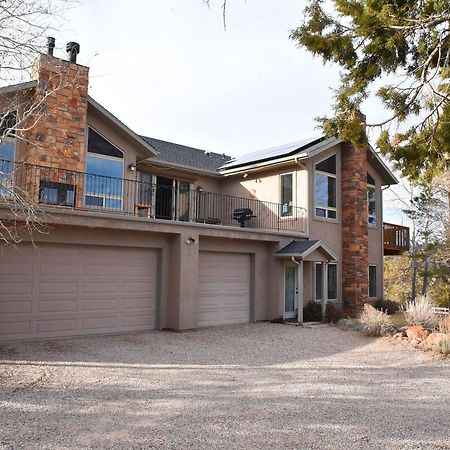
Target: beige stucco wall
[(265, 185)]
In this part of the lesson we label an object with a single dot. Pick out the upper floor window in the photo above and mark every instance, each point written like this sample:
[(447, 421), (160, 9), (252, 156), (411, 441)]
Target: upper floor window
[(104, 167), (286, 194), (325, 188), (371, 200), (6, 166)]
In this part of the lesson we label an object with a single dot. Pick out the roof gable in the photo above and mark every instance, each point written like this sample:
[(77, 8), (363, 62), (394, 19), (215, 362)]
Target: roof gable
[(303, 248)]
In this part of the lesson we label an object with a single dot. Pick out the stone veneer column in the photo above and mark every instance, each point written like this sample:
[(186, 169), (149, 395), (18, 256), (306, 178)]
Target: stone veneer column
[(58, 138), (355, 261)]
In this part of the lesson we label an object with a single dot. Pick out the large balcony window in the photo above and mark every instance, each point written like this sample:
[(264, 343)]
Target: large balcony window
[(104, 167)]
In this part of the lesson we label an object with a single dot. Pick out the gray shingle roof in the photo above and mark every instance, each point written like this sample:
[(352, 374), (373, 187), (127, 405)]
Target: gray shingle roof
[(182, 155), (297, 247)]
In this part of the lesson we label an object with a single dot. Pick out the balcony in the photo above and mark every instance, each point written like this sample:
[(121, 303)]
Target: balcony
[(57, 188), (396, 239)]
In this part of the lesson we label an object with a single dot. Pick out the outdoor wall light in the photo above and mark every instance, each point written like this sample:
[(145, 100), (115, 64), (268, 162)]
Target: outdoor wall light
[(132, 167), (191, 240)]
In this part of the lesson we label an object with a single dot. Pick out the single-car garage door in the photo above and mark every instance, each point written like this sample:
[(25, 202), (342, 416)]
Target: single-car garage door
[(224, 288), (61, 290)]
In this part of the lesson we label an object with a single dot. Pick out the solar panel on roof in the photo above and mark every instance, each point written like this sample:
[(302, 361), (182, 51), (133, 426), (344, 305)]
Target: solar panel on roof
[(270, 153)]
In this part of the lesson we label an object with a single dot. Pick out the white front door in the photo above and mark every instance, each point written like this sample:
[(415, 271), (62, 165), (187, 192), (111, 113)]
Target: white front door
[(290, 291)]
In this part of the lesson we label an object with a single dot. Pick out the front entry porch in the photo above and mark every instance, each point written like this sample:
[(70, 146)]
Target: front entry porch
[(300, 258)]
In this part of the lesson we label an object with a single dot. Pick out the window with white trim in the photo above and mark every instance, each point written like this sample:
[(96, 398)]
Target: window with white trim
[(326, 188), (287, 194), (104, 168), (332, 281), (372, 281), (371, 200)]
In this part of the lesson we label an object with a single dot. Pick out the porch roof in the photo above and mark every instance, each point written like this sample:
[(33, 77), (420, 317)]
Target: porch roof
[(303, 248)]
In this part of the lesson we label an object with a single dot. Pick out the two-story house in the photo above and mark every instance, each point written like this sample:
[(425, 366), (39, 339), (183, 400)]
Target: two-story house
[(145, 234)]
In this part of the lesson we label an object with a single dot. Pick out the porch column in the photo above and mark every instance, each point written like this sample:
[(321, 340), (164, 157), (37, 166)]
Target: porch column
[(324, 266), (300, 292)]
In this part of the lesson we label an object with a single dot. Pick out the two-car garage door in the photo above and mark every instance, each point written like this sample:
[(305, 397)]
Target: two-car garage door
[(61, 290), (224, 288)]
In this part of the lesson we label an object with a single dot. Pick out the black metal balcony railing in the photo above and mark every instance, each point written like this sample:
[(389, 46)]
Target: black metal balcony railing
[(49, 186)]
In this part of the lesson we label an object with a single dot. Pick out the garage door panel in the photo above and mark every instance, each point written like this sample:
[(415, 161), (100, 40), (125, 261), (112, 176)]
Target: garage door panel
[(224, 288), (61, 290), (56, 306), (14, 287), (13, 307), (16, 329), (57, 287), (44, 326), (100, 304), (138, 320), (100, 323), (100, 286)]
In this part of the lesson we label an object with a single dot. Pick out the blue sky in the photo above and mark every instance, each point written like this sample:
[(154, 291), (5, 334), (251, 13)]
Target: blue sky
[(168, 69)]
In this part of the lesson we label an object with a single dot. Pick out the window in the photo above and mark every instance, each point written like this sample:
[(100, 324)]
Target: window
[(52, 193), (372, 281), (371, 200), (332, 281), (319, 281), (325, 188), (104, 167), (6, 167), (286, 195)]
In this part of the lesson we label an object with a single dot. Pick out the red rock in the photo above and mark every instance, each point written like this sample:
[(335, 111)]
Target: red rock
[(417, 332)]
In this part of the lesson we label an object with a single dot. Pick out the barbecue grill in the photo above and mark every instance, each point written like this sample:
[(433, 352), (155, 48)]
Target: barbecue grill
[(242, 215)]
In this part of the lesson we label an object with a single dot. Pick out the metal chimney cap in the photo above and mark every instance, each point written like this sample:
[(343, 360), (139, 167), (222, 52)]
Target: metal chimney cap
[(73, 48), (50, 45)]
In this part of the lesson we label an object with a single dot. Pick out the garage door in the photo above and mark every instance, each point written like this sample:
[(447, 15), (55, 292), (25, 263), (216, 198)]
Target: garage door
[(61, 290), (224, 288)]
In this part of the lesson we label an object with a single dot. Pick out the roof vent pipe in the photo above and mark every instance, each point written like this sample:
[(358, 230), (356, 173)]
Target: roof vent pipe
[(73, 48), (50, 45)]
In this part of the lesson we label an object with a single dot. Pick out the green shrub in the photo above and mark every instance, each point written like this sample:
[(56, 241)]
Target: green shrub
[(374, 322), (388, 306), (312, 312), (333, 313)]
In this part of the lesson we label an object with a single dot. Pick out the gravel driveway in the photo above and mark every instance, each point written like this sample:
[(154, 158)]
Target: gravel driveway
[(251, 386)]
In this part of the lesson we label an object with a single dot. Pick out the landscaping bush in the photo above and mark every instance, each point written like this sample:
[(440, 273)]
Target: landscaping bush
[(333, 313), (374, 322), (312, 312), (420, 312), (388, 306)]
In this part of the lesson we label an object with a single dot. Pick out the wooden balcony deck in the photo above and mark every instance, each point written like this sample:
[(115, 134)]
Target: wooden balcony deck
[(396, 239)]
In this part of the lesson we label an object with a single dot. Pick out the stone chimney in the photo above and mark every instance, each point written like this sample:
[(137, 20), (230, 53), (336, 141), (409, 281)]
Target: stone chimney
[(355, 260), (58, 130)]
